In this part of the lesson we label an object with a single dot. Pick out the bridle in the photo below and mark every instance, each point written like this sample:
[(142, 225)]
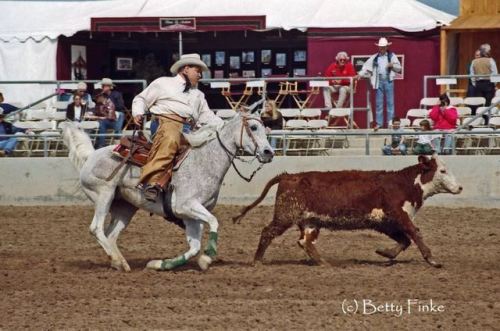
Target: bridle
[(232, 156)]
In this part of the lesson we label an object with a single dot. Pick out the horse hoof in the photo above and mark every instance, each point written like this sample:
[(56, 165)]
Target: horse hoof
[(204, 262), (154, 264), (120, 265)]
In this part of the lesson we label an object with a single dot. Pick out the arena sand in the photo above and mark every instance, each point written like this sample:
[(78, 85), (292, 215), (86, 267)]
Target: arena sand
[(55, 276)]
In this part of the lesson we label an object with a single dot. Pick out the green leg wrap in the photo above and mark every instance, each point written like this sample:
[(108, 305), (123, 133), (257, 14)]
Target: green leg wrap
[(169, 264), (211, 249)]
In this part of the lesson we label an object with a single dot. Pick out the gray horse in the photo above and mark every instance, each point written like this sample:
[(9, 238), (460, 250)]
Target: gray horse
[(196, 186)]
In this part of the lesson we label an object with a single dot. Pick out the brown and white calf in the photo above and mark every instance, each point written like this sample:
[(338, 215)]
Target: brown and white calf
[(385, 201)]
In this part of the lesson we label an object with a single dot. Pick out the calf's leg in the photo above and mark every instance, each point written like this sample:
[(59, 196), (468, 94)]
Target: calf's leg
[(414, 233), (402, 243), (273, 230), (308, 243)]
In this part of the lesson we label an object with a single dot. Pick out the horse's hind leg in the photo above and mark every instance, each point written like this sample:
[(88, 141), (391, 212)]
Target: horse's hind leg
[(194, 231), (121, 215)]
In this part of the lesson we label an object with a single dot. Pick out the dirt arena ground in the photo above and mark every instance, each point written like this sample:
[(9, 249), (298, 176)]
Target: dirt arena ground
[(53, 275)]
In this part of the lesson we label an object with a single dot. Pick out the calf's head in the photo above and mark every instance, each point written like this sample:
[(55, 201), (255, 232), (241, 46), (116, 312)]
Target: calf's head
[(435, 178)]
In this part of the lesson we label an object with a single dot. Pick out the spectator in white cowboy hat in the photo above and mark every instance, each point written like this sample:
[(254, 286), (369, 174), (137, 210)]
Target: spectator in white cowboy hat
[(117, 99), (381, 68), (340, 68), (86, 98), (174, 101)]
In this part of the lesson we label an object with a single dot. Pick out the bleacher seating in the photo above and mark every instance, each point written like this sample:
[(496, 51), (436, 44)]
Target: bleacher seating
[(429, 102), (474, 101)]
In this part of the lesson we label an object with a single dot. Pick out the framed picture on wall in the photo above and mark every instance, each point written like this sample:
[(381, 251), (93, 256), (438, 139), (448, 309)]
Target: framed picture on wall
[(207, 58), (280, 59), (124, 63), (265, 56), (266, 72), (218, 73), (78, 62), (359, 60), (234, 62), (248, 73), (299, 56), (297, 72), (247, 56), (220, 58)]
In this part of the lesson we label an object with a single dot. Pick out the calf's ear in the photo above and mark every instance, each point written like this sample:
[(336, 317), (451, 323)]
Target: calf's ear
[(424, 162)]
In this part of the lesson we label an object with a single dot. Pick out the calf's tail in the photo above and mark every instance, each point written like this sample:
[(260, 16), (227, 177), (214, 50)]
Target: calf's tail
[(269, 184)]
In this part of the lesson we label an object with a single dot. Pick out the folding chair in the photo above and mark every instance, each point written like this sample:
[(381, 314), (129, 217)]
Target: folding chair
[(428, 102), (310, 113), (340, 114), (456, 101), (290, 113), (474, 101)]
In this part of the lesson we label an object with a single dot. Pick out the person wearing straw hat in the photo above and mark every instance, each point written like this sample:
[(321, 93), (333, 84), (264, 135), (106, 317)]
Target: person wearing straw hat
[(174, 101), (86, 98), (381, 68), (117, 99)]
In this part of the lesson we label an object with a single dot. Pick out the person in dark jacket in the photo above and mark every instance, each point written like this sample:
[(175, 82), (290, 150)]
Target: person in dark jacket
[(76, 110), (117, 99), (7, 144)]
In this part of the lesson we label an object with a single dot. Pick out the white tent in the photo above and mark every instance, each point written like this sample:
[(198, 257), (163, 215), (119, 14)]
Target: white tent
[(29, 29)]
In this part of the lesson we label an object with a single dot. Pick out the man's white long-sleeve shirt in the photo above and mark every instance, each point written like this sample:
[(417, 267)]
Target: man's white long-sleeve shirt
[(165, 96)]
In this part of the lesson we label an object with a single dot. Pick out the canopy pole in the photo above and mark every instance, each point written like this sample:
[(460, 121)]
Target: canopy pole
[(180, 44), (444, 57)]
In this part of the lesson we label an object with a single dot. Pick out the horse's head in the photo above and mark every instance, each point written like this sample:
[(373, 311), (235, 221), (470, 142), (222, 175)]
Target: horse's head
[(252, 138)]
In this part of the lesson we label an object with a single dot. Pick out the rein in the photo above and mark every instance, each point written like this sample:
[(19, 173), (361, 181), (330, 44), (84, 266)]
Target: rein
[(232, 156)]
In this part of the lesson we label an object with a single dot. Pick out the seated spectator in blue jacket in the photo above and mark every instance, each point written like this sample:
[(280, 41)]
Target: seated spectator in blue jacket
[(7, 107), (7, 145), (117, 99), (76, 110), (81, 90)]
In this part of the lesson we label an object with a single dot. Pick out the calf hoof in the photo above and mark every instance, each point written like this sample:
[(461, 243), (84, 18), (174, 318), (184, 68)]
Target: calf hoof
[(204, 262), (434, 263), (388, 253), (256, 263)]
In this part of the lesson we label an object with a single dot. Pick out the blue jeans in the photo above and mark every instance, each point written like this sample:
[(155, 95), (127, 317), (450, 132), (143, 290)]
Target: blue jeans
[(447, 144), (104, 125), (120, 119), (385, 87), (8, 145), (387, 149)]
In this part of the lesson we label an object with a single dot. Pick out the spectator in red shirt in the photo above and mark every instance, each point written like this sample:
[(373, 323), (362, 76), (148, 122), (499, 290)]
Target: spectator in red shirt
[(444, 117), (340, 68)]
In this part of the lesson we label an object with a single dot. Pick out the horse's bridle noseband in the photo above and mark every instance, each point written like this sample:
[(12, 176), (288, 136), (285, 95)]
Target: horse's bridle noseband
[(244, 125)]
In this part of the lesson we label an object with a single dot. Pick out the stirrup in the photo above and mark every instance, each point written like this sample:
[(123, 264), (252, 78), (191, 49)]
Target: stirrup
[(151, 192)]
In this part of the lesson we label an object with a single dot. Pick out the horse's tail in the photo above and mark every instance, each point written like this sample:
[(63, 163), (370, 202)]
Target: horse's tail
[(269, 184), (78, 143)]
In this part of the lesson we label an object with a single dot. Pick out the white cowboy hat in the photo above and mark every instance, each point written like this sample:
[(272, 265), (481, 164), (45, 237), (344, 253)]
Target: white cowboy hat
[(188, 60), (81, 86), (107, 81), (382, 42)]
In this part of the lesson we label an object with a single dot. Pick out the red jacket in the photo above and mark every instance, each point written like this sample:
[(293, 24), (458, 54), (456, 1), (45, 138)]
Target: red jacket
[(444, 119), (334, 70)]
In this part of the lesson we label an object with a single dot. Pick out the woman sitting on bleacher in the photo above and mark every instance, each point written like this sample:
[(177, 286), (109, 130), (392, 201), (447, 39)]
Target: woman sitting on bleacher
[(76, 110), (272, 119), (444, 117)]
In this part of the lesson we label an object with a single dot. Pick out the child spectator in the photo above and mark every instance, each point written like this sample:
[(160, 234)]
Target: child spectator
[(397, 145), (423, 145), (445, 119)]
